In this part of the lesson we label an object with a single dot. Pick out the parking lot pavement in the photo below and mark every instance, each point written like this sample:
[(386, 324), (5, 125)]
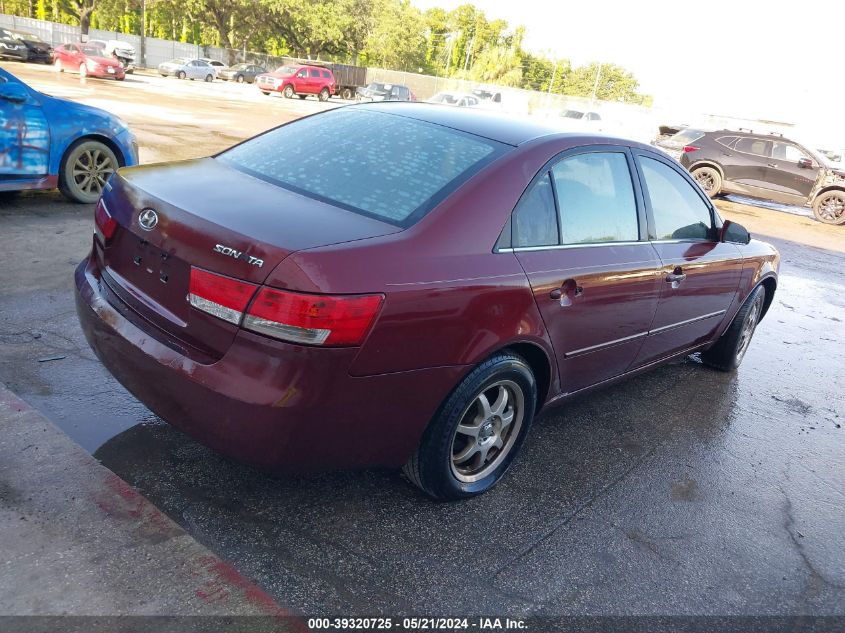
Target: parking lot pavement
[(78, 540), (681, 491)]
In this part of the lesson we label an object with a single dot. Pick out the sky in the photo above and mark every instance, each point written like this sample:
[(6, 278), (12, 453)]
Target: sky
[(743, 58)]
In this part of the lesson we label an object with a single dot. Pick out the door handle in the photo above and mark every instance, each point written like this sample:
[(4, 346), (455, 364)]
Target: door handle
[(568, 291), (676, 276)]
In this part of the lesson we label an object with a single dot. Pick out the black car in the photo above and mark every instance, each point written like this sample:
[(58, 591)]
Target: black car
[(241, 73), (11, 47), (385, 92), (766, 166), (37, 49)]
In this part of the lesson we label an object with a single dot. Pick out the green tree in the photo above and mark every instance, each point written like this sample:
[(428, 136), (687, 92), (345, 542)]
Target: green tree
[(79, 10), (397, 38)]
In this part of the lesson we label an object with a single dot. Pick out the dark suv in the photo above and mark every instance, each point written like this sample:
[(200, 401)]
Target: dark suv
[(766, 166)]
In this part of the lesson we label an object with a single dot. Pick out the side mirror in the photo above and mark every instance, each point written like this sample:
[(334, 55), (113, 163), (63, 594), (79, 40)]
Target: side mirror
[(805, 163), (13, 92), (733, 232)]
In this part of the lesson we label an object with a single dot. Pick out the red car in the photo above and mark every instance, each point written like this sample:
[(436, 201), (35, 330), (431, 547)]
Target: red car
[(87, 61), (299, 79), (414, 298)]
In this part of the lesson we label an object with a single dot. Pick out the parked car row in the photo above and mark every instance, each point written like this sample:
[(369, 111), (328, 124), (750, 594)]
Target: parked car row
[(764, 166), (24, 47)]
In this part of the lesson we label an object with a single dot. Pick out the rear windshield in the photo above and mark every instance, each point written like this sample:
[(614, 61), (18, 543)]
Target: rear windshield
[(385, 166), (687, 136), (572, 114)]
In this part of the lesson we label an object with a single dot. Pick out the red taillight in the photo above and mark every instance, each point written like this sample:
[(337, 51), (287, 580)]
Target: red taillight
[(220, 296), (313, 319), (690, 148), (105, 224)]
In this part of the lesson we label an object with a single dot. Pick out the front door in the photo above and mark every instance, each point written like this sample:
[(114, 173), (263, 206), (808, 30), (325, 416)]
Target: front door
[(699, 275), (24, 134), (789, 182), (576, 233)]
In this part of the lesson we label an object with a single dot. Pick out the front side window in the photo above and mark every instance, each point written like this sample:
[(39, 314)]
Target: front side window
[(596, 198), (754, 146), (390, 167), (678, 210), (788, 152), (535, 217)]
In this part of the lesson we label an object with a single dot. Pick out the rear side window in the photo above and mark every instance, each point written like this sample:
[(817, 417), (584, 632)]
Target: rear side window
[(535, 217), (679, 212), (754, 146), (314, 73), (687, 136), (596, 199), (327, 74), (385, 166), (727, 141)]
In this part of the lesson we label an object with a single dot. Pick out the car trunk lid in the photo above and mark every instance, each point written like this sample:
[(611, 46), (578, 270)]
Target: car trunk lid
[(212, 217)]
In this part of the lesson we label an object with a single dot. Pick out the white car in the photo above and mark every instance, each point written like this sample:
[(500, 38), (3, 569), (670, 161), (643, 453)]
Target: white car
[(182, 68), (121, 51), (457, 99)]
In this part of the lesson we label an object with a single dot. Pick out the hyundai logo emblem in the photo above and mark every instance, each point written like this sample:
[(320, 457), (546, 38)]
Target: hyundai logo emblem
[(148, 219)]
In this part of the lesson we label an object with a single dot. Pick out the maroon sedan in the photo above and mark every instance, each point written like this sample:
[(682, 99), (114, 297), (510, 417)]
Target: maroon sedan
[(86, 60), (410, 290)]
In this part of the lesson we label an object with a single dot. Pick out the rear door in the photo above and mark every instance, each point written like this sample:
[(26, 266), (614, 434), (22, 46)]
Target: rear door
[(314, 81), (579, 233), (699, 275), (746, 165)]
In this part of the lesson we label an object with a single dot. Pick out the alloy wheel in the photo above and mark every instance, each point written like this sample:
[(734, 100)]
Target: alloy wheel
[(705, 180), (832, 209), (748, 328), (487, 431), (91, 170)]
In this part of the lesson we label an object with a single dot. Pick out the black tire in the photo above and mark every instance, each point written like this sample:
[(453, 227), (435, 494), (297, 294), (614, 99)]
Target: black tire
[(347, 94), (324, 95), (239, 79), (209, 79), (433, 468), (301, 96), (829, 207), (288, 92), (180, 74), (266, 92), (729, 350), (709, 179), (77, 189)]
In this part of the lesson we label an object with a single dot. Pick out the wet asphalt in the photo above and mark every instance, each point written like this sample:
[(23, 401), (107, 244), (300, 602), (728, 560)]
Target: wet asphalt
[(681, 491)]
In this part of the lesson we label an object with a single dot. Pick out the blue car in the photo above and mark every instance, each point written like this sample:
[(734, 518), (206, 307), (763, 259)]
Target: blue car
[(47, 142)]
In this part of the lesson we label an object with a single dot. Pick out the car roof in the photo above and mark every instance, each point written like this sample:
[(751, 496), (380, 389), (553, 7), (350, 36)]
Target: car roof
[(770, 135), (508, 129)]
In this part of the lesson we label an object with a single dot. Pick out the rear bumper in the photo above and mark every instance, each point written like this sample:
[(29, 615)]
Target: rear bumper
[(274, 405)]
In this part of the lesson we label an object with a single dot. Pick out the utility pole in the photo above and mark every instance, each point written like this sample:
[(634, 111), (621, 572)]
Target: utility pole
[(143, 59), (596, 85), (552, 82), (469, 52)]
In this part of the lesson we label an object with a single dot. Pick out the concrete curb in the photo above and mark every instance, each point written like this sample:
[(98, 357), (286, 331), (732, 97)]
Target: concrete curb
[(75, 539)]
